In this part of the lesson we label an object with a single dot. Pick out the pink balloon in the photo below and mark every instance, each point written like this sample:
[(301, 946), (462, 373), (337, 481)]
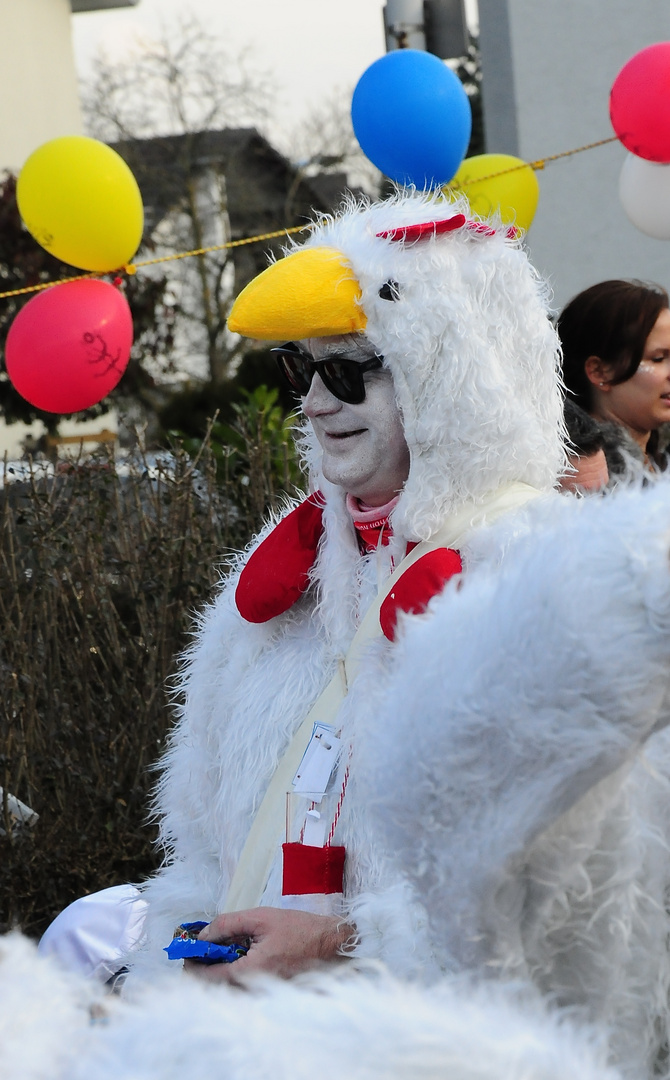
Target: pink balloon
[(70, 345), (640, 103)]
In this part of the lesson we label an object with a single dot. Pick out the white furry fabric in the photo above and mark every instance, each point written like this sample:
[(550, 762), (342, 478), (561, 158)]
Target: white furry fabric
[(525, 791), (246, 690), (499, 756), (474, 360), (44, 1013), (499, 818), (54, 1027)]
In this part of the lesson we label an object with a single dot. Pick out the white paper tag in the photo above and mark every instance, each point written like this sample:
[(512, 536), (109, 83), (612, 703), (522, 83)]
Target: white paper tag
[(318, 761), (315, 829)]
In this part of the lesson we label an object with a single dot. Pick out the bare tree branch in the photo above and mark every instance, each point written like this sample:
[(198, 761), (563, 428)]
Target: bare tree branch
[(180, 85), (324, 142)]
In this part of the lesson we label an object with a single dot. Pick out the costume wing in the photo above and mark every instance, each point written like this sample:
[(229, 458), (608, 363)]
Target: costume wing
[(517, 707)]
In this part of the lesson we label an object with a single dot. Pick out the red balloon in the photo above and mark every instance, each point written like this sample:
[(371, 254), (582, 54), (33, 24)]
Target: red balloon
[(70, 345), (640, 103)]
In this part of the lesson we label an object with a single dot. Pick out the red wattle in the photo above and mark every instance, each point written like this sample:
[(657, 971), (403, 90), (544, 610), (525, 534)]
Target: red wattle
[(277, 572), (414, 589)]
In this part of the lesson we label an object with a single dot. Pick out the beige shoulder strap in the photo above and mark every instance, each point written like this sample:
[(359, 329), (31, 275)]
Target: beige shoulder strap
[(265, 835)]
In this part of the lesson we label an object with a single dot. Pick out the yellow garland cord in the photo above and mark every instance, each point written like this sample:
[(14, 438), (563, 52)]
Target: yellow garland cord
[(536, 165), (132, 268)]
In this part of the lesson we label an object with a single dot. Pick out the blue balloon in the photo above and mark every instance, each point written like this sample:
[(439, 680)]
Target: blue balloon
[(412, 118)]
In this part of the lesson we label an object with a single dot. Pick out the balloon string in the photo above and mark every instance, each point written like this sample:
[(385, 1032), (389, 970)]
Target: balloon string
[(132, 268), (537, 166), (46, 285)]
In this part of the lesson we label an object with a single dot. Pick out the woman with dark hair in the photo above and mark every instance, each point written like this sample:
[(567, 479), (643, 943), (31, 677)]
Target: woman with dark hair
[(615, 338)]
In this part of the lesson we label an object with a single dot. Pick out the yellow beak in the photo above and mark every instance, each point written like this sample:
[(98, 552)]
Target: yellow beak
[(311, 293)]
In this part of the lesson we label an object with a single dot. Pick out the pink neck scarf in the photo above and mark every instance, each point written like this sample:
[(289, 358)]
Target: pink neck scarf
[(371, 522)]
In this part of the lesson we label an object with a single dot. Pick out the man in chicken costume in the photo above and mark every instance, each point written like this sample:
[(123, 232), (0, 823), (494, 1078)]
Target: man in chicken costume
[(419, 342), (372, 760)]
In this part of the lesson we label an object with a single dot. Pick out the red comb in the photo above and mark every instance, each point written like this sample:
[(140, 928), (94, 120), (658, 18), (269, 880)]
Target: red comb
[(434, 228)]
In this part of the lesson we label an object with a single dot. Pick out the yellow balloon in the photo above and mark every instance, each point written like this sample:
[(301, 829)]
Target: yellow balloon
[(513, 194), (81, 202)]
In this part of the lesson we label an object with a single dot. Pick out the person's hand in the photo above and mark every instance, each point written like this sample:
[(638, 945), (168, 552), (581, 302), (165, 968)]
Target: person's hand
[(281, 942)]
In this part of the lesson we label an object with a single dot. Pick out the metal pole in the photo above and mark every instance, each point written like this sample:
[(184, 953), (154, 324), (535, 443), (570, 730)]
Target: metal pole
[(403, 25), (436, 26)]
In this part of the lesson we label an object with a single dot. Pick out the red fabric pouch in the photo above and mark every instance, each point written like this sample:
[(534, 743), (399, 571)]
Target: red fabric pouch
[(312, 869)]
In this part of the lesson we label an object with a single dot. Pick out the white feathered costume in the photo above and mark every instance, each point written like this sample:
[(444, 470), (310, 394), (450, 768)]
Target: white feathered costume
[(55, 1025), (500, 817), (473, 358)]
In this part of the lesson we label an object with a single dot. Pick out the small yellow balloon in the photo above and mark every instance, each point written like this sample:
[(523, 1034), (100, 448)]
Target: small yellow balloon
[(513, 194), (81, 202)]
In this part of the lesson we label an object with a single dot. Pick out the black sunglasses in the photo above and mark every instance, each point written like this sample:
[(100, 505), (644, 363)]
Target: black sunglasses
[(343, 377)]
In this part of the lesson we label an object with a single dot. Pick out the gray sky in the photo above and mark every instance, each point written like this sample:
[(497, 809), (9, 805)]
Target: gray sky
[(310, 47)]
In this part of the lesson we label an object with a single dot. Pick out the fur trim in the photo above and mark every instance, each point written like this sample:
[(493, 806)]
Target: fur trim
[(523, 811), (327, 1026), (45, 1013)]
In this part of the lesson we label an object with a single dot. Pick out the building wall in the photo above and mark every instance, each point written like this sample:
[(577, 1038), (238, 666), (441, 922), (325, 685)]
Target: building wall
[(38, 84), (548, 66)]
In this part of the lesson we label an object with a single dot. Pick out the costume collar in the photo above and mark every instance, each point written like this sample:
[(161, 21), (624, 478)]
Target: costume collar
[(278, 571), (371, 522)]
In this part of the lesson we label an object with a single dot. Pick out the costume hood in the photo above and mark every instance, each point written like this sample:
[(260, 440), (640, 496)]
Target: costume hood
[(462, 321)]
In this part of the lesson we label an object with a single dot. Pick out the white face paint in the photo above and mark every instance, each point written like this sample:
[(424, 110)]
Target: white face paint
[(364, 448)]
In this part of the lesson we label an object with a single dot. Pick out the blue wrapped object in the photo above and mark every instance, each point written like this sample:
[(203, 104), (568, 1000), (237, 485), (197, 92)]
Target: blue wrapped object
[(185, 945)]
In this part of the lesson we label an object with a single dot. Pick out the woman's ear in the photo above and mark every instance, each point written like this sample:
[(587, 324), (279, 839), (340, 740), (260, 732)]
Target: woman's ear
[(597, 373)]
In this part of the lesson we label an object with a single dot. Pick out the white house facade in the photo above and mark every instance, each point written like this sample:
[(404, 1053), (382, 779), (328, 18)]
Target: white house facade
[(548, 67), (38, 82)]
